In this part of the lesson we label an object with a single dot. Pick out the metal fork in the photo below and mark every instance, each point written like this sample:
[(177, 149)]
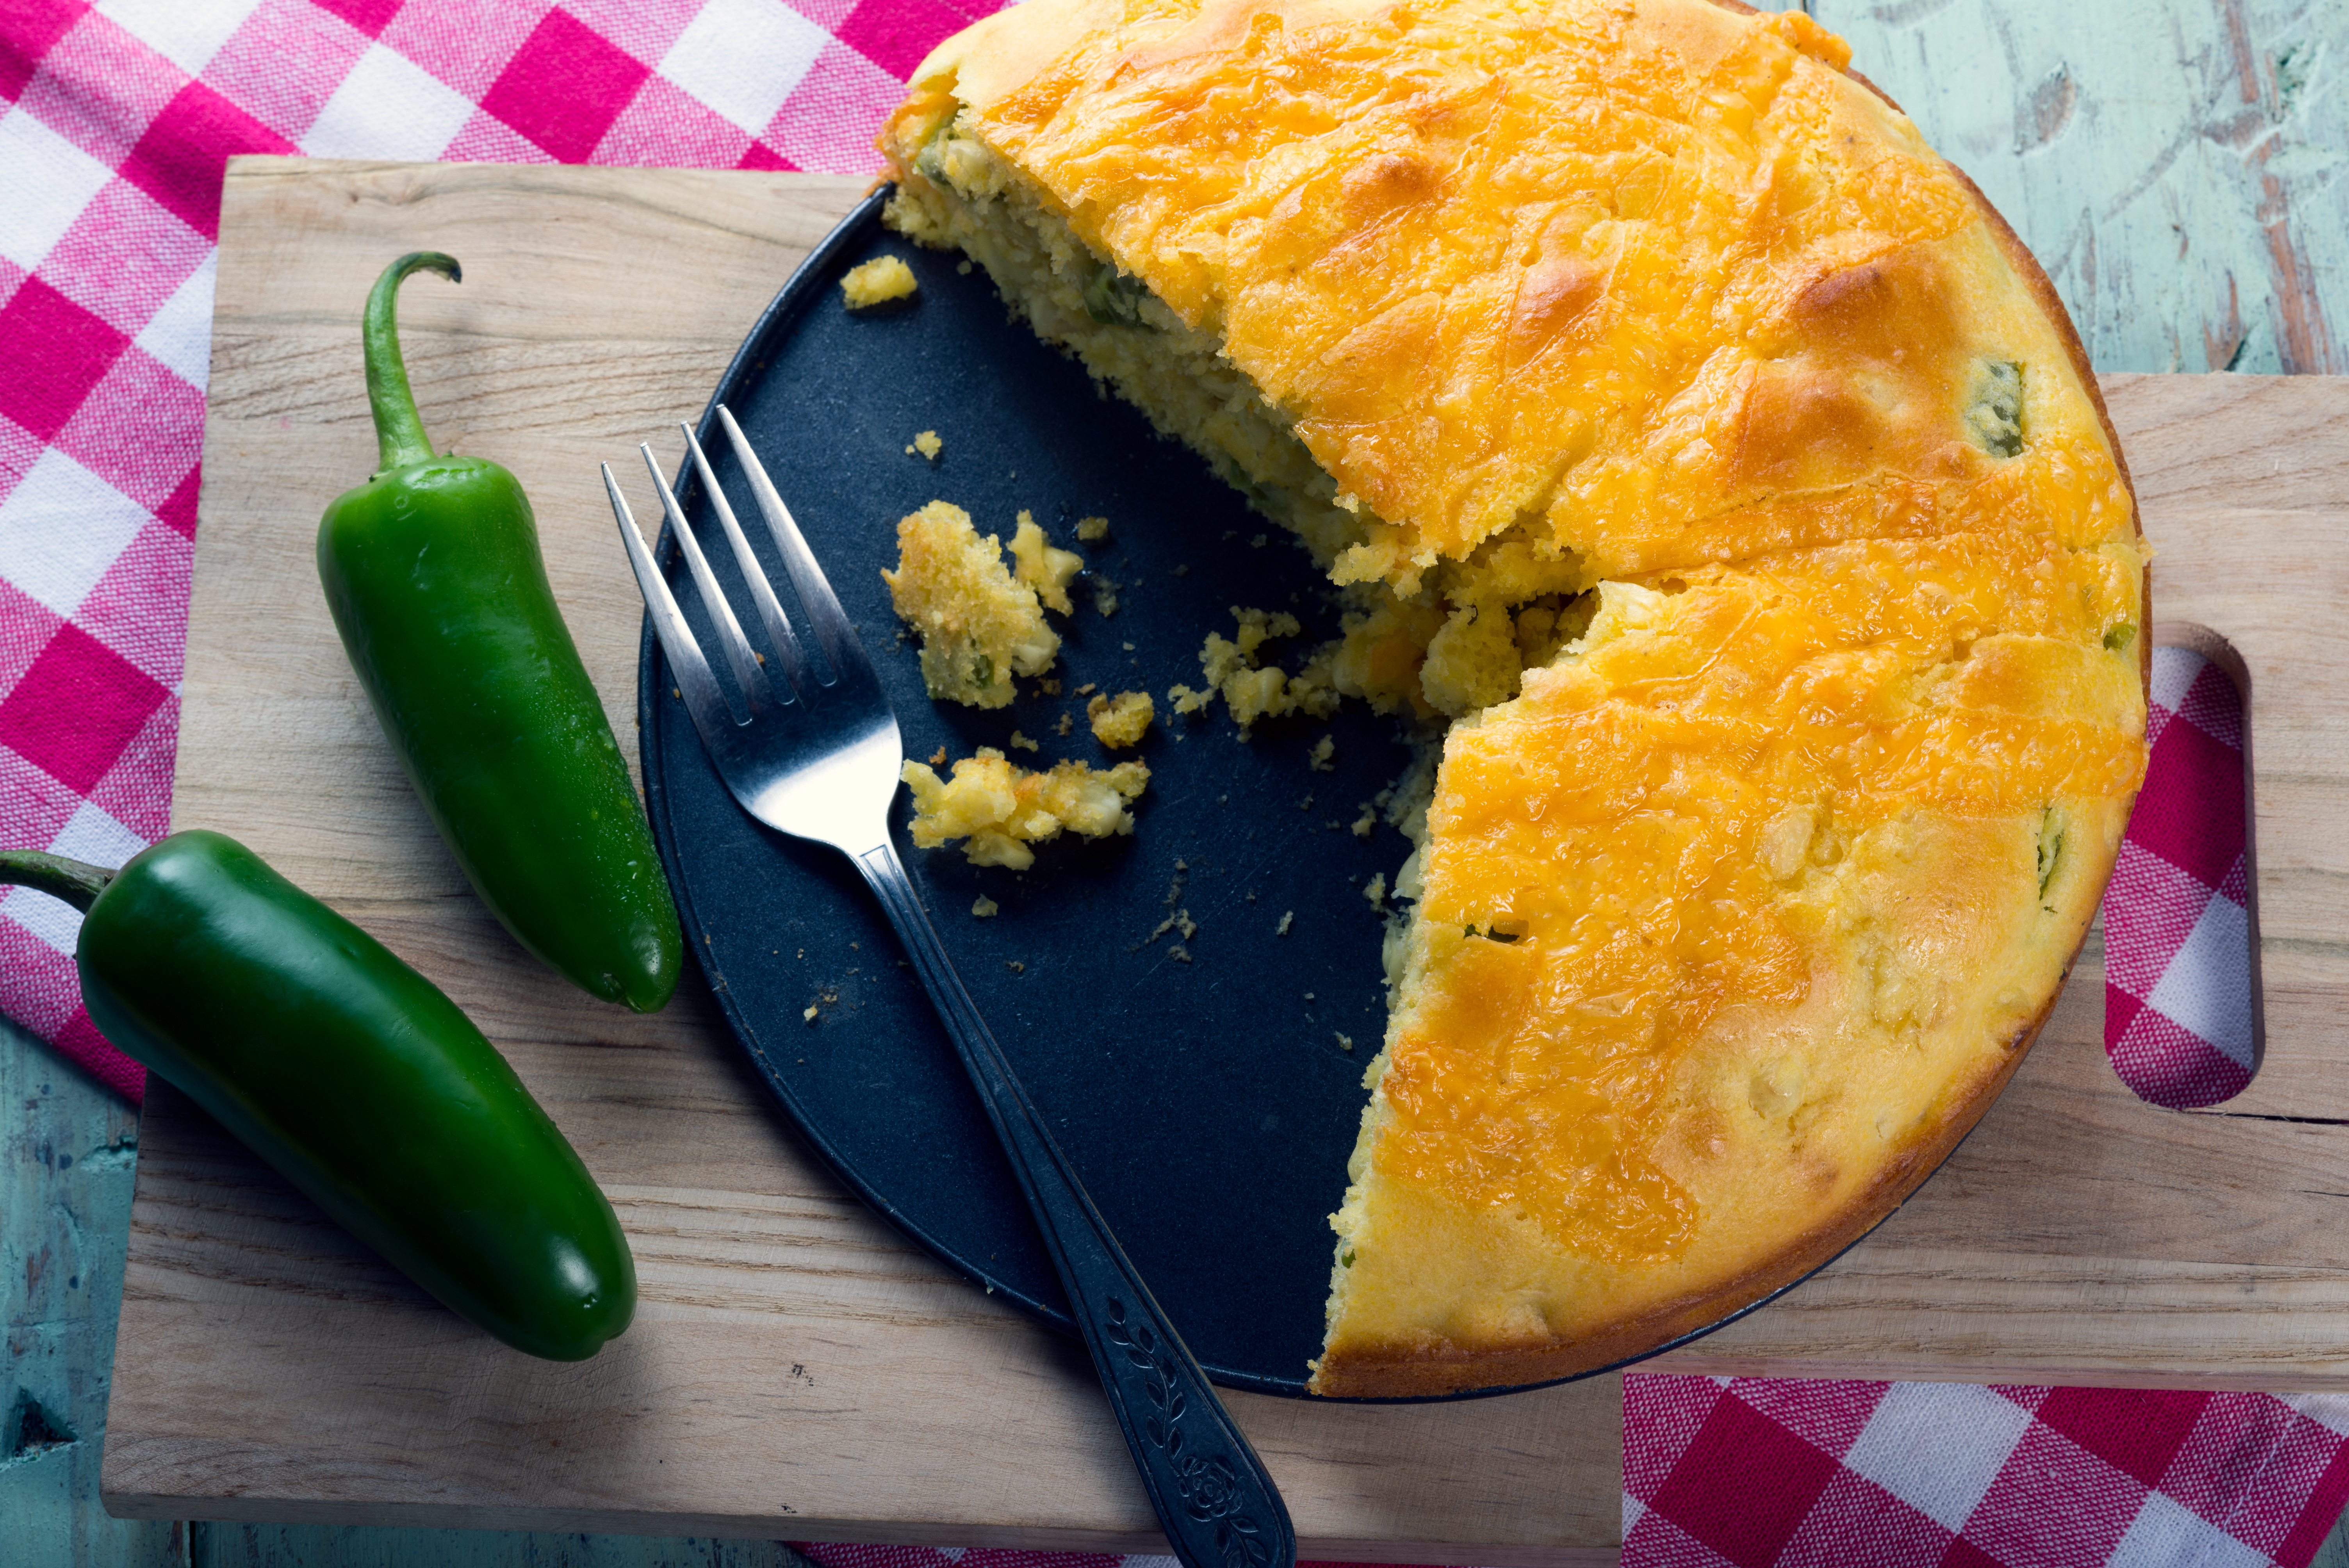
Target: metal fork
[(818, 758)]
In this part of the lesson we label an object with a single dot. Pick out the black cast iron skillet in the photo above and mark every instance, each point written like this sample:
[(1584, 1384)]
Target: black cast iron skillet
[(1202, 1072)]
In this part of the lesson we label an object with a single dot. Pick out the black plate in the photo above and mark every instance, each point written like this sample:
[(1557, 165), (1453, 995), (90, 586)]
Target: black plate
[(1208, 1102)]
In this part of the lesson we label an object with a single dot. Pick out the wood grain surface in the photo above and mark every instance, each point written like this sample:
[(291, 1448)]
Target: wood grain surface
[(796, 1367)]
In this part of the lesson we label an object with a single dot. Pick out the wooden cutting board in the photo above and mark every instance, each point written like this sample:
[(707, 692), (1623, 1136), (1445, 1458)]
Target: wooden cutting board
[(797, 1369)]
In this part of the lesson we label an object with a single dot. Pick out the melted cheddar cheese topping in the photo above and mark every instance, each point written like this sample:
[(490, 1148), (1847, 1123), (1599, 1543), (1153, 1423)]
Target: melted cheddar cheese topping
[(1637, 842), (1737, 902)]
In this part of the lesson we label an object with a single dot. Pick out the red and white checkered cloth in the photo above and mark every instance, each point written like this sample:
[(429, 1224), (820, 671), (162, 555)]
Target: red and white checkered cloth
[(115, 121)]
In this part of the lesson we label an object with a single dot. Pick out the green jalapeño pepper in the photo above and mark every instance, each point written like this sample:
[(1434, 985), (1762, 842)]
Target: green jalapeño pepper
[(356, 1076), (433, 572)]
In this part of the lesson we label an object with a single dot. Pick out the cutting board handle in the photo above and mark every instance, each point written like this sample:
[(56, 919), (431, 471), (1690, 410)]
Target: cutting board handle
[(2224, 656)]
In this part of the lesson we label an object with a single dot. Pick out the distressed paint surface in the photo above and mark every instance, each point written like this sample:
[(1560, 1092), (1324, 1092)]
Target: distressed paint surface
[(68, 1148), (2176, 164)]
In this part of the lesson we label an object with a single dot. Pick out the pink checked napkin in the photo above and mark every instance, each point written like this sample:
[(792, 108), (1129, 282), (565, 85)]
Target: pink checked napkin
[(115, 123)]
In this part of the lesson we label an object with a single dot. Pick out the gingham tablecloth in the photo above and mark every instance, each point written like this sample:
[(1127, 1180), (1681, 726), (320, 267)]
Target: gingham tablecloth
[(117, 120)]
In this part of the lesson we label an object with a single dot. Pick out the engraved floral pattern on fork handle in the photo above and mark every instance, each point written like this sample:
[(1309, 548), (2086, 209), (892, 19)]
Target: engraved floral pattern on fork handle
[(1211, 1494)]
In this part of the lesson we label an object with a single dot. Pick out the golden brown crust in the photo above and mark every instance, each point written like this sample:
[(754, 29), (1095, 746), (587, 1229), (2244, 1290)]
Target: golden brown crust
[(1416, 1371)]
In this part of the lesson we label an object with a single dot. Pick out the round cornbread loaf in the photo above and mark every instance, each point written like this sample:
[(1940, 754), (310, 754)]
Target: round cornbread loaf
[(1648, 320)]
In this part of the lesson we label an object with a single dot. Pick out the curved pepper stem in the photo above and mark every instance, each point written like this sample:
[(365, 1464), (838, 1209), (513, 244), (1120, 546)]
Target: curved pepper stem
[(398, 428), (76, 882)]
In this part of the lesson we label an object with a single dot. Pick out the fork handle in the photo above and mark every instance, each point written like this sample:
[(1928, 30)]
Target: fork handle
[(1216, 1503)]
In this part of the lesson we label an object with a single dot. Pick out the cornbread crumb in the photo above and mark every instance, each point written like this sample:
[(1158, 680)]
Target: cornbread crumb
[(1042, 567), (1318, 761), (1186, 700), (810, 1015), (1345, 1042), (1022, 743), (1366, 821), (877, 281), (1287, 918), (986, 908), (1121, 720), (938, 758), (928, 444), (1002, 809), (1252, 689), (1375, 890), (1104, 597), (1092, 528), (1068, 723), (1179, 920), (978, 626)]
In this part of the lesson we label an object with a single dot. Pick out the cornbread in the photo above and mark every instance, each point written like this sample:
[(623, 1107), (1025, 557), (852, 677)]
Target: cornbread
[(980, 624), (1000, 810), (1701, 445), (1043, 568), (878, 282), (1252, 689), (927, 444), (1122, 720)]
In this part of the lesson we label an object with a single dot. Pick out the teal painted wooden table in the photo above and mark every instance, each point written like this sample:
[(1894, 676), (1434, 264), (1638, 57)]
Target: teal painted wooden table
[(2177, 166)]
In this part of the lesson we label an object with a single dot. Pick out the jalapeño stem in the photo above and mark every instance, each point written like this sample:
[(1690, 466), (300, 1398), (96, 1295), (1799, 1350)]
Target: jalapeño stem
[(77, 884), (398, 428)]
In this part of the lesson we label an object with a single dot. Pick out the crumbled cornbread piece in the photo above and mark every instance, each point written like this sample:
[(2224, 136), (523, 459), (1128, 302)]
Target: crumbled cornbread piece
[(1474, 662), (978, 626), (877, 281), (1376, 890), (1041, 567), (1068, 723), (928, 444), (1318, 761), (1179, 920), (1121, 720), (1287, 918), (1092, 528), (1002, 809), (1345, 1041), (1022, 743), (1253, 690), (986, 908), (1366, 821), (1104, 597)]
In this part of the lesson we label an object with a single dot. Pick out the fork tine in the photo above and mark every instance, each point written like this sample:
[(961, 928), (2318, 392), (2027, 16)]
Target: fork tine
[(739, 652), (832, 631), (762, 593), (695, 682)]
